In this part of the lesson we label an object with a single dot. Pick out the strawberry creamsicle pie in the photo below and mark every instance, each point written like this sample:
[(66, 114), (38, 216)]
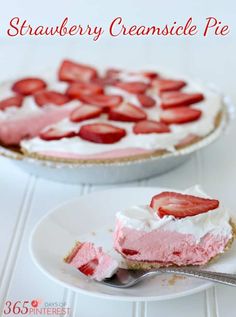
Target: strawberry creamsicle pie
[(81, 113), (175, 228)]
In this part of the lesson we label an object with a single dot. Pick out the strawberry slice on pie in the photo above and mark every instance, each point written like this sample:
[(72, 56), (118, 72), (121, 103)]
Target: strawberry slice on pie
[(150, 75), (179, 205), (15, 101), (180, 115), (103, 101), (146, 101), (150, 126), (29, 86), (53, 134), (127, 112), (79, 89), (85, 112), (73, 72), (47, 97), (101, 133), (133, 87), (179, 99), (164, 85)]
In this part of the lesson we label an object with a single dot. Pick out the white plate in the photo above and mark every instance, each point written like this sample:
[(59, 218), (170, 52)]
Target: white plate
[(91, 218)]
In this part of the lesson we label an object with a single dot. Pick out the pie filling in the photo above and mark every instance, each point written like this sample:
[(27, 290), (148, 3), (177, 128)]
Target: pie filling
[(87, 114)]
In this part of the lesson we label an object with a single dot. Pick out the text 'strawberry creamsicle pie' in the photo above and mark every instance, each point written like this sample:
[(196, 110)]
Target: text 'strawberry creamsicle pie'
[(83, 114), (173, 229), (92, 261)]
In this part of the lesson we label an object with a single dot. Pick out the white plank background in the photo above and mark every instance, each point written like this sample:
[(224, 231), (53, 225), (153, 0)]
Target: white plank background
[(25, 198)]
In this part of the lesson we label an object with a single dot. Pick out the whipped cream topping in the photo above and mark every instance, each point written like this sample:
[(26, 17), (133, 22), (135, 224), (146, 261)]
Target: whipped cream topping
[(144, 218), (210, 107)]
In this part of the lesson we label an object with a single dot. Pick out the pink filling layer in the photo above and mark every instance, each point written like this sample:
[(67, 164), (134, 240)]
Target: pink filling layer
[(167, 247), (13, 131), (103, 155), (87, 252)]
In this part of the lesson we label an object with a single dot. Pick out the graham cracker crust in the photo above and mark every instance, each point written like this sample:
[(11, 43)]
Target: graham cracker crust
[(71, 254), (159, 153), (139, 265)]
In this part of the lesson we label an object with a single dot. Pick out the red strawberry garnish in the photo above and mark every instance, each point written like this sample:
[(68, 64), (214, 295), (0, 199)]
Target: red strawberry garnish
[(180, 206), (54, 134), (169, 84), (76, 90), (85, 112), (146, 101), (101, 133), (89, 268), (149, 126), (179, 99), (15, 101), (127, 112), (29, 86), (180, 115), (104, 101), (150, 75), (133, 87), (129, 252), (50, 97), (105, 81), (70, 71)]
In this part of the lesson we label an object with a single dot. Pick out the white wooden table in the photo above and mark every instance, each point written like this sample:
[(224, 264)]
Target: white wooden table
[(24, 199)]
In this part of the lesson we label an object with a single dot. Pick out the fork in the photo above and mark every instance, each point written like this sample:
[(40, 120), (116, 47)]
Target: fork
[(125, 278)]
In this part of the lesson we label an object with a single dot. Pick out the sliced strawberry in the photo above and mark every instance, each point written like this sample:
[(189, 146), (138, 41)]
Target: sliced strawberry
[(169, 84), (105, 81), (134, 87), (129, 252), (146, 101), (150, 75), (54, 134), (85, 112), (78, 90), (180, 115), (71, 72), (50, 97), (180, 206), (15, 101), (29, 86), (179, 99), (112, 72), (149, 126), (104, 101), (101, 133), (127, 112), (89, 268)]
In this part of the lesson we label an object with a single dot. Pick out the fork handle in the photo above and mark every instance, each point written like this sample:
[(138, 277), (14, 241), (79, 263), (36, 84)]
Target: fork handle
[(223, 278)]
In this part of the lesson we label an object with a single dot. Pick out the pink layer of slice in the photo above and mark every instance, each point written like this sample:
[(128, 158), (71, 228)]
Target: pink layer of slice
[(104, 155), (92, 261), (14, 130), (167, 247)]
